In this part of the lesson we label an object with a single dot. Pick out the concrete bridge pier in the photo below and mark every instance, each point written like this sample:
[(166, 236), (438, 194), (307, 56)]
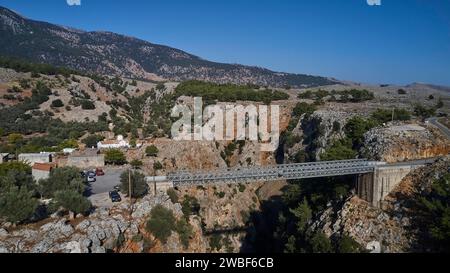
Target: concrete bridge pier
[(374, 187), (364, 186)]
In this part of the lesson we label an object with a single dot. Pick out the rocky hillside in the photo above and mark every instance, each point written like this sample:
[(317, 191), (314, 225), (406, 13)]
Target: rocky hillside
[(403, 142), (401, 225), (112, 54), (104, 230)]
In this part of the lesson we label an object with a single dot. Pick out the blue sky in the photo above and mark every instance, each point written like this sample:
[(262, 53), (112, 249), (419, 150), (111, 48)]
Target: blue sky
[(401, 41)]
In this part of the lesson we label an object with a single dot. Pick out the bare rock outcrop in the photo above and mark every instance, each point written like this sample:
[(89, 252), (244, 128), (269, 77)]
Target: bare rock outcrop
[(316, 132), (394, 228), (104, 230), (402, 142)]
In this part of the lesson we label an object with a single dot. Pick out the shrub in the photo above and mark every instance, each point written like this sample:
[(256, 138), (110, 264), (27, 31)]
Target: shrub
[(157, 166), (73, 201), (401, 92), (306, 95), (14, 166), (356, 127), (348, 245), (184, 230), (70, 143), (115, 157), (340, 150), (440, 104), (136, 164), (304, 108), (172, 195), (151, 151), (434, 207), (320, 243), (57, 103), (227, 92), (215, 242), (15, 139), (87, 105), (424, 112), (385, 115), (161, 223), (336, 126), (60, 180), (17, 204), (220, 194), (190, 206), (160, 87), (92, 140)]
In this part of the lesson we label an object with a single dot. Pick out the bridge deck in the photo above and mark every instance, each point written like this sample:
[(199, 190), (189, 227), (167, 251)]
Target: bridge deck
[(273, 173)]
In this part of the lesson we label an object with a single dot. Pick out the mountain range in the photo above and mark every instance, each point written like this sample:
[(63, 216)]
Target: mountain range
[(108, 53)]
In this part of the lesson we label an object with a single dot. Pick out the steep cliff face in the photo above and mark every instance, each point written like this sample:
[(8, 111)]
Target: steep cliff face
[(403, 142), (314, 133), (394, 228)]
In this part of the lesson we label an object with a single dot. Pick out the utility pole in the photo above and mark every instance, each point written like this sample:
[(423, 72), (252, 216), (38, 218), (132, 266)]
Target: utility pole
[(154, 184), (154, 181), (129, 190)]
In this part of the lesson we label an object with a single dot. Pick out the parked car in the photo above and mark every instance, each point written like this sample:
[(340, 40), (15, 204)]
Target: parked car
[(115, 196), (99, 172), (90, 179), (91, 174)]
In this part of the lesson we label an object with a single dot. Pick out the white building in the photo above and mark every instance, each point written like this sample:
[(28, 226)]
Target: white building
[(31, 159), (68, 150), (42, 170), (114, 144)]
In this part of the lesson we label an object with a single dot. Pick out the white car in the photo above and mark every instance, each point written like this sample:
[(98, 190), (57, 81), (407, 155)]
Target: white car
[(91, 179)]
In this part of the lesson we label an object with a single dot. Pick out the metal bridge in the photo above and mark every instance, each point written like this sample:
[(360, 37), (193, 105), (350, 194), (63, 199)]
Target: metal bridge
[(273, 173)]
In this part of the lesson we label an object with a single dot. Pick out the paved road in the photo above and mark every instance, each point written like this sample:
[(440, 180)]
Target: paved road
[(102, 200), (418, 162), (107, 182), (435, 121)]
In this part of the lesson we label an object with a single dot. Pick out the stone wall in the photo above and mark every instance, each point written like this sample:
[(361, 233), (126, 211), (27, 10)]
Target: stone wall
[(31, 159)]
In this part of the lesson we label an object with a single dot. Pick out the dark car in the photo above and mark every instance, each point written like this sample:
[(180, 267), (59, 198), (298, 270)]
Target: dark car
[(115, 196), (91, 174)]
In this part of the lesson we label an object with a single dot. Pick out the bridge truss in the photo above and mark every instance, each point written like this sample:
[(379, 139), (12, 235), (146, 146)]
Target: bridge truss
[(273, 173)]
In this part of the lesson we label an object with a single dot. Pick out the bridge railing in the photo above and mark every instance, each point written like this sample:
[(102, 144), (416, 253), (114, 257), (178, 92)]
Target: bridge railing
[(272, 173)]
